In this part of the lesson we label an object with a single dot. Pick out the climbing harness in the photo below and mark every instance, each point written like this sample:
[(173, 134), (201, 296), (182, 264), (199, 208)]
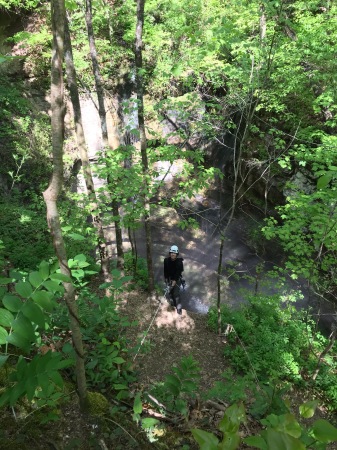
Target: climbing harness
[(168, 288)]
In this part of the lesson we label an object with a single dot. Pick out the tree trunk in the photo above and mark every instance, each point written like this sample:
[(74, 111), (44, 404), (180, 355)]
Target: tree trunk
[(222, 240), (119, 236), (96, 72), (332, 339), (51, 193), (75, 99), (143, 141), (102, 115)]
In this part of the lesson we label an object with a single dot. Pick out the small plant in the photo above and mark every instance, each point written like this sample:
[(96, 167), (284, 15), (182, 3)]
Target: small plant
[(139, 273), (180, 386), (102, 329), (282, 432), (229, 426), (24, 318)]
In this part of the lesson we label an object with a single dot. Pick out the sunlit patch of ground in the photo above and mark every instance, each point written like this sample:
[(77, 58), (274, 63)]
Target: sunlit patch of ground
[(166, 337), (169, 317)]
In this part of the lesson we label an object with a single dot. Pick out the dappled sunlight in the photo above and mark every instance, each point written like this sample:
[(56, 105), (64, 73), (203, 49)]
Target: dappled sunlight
[(168, 317)]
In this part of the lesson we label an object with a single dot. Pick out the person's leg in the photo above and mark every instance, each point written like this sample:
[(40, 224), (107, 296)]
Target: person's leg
[(176, 297)]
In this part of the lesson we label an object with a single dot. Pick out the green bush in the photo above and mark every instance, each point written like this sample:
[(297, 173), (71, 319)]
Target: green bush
[(25, 236), (107, 367), (179, 387), (273, 335), (139, 273), (272, 341)]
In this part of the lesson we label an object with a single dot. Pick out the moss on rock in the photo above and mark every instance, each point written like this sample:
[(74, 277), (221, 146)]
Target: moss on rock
[(98, 404)]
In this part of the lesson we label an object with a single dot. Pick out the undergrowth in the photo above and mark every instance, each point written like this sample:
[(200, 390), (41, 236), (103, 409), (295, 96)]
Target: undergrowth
[(272, 345)]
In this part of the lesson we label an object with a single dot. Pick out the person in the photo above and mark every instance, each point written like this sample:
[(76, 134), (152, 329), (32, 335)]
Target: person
[(173, 269)]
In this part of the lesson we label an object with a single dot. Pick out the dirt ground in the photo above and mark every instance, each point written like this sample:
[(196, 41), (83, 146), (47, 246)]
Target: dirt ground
[(170, 336)]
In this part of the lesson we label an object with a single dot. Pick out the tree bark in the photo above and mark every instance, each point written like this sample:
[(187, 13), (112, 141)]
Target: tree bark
[(143, 141), (102, 115), (332, 339), (222, 240), (96, 72), (75, 99), (51, 193)]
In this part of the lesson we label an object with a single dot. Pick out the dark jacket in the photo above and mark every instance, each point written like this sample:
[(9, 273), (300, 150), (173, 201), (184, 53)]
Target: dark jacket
[(173, 269)]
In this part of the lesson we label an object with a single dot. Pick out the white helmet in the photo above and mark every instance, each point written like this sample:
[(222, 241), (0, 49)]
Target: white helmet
[(174, 249)]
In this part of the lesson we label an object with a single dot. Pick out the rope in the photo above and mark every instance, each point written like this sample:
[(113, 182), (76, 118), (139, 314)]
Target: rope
[(231, 329), (147, 331)]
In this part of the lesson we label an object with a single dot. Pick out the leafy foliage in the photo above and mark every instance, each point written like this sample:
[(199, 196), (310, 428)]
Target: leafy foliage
[(30, 225), (271, 343), (102, 326), (180, 386), (280, 431), (24, 318)]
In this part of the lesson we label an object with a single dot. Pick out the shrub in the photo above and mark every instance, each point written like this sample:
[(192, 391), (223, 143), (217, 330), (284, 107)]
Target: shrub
[(273, 341), (25, 236)]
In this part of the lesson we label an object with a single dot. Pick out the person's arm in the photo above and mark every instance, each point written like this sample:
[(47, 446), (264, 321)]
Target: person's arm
[(166, 275)]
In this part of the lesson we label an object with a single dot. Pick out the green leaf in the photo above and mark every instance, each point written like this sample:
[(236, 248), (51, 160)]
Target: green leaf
[(307, 410), (35, 279), (172, 388), (15, 393), (230, 441), (24, 288), (67, 348), (149, 422), (206, 441), (34, 313), (30, 386), (188, 386), (234, 415), (44, 270), (3, 358), (23, 327), (289, 425), (3, 336), (56, 378), (60, 277), (6, 317), (116, 273), (77, 273), (19, 341), (118, 360), (323, 181), (76, 236), (173, 380), (12, 302), (64, 363), (80, 257), (137, 404), (177, 70), (52, 286), (324, 431), (119, 387), (278, 440), (4, 398), (256, 441), (5, 280), (44, 300)]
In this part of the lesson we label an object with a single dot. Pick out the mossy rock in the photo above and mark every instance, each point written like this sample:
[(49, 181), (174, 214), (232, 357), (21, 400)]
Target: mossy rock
[(98, 404)]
